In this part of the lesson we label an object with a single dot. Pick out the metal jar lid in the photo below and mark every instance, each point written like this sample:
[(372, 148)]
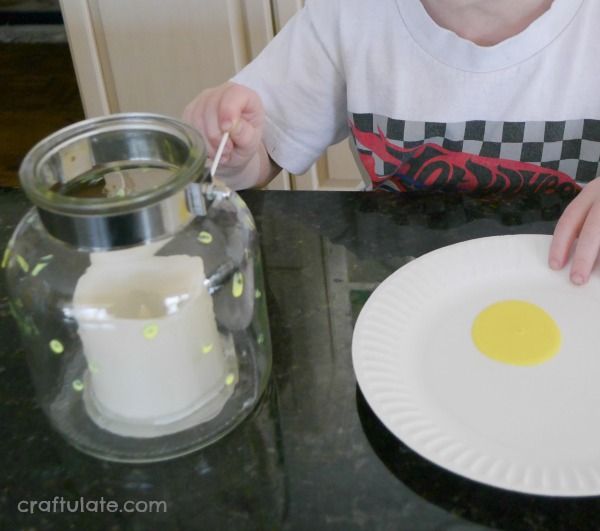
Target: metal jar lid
[(117, 181)]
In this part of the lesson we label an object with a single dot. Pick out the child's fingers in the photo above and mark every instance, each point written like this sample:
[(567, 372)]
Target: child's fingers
[(588, 246), (244, 136), (228, 108), (566, 231), (238, 102)]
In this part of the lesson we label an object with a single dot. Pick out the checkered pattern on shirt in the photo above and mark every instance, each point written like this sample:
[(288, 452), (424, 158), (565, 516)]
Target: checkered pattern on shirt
[(569, 146)]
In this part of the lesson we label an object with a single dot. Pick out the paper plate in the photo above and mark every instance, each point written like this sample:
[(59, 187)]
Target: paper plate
[(533, 429)]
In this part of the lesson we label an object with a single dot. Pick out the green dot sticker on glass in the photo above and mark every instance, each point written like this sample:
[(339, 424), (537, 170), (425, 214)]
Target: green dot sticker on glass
[(41, 265), (205, 237), (150, 331), (78, 385), (22, 263), (38, 269), (230, 380), (56, 346), (238, 285), (207, 348), (5, 257)]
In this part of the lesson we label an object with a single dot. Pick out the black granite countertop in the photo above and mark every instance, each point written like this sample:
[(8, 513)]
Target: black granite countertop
[(313, 455)]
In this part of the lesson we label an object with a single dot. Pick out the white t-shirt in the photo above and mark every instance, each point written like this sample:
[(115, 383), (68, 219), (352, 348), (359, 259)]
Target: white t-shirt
[(428, 109)]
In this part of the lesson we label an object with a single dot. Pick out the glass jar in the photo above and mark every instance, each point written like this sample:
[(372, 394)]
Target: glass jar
[(137, 285)]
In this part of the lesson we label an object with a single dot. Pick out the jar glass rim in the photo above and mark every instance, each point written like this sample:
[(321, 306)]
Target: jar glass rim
[(191, 168)]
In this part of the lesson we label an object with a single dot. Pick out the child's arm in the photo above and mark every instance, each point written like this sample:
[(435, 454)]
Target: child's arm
[(297, 103), (230, 107), (581, 219)]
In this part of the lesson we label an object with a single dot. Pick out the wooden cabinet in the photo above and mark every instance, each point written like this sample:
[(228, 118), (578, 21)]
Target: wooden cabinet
[(155, 56)]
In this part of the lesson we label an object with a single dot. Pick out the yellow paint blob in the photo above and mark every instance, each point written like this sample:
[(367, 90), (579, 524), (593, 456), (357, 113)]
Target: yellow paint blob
[(38, 269), (237, 288), (230, 380), (205, 238), (516, 332), (56, 346), (23, 263), (206, 349), (78, 385), (5, 257), (150, 331)]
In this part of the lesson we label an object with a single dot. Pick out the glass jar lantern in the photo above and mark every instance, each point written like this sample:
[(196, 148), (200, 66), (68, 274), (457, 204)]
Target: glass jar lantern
[(137, 285)]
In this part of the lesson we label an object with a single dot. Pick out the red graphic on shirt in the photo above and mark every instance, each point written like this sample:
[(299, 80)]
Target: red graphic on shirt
[(432, 167)]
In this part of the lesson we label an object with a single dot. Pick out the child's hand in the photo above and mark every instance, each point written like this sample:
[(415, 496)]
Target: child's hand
[(234, 108), (581, 219)]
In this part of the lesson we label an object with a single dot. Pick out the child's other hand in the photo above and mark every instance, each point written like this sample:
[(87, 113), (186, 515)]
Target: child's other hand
[(234, 108), (581, 219)]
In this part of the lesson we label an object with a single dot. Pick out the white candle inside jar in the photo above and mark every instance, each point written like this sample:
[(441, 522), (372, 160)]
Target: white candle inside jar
[(149, 336)]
